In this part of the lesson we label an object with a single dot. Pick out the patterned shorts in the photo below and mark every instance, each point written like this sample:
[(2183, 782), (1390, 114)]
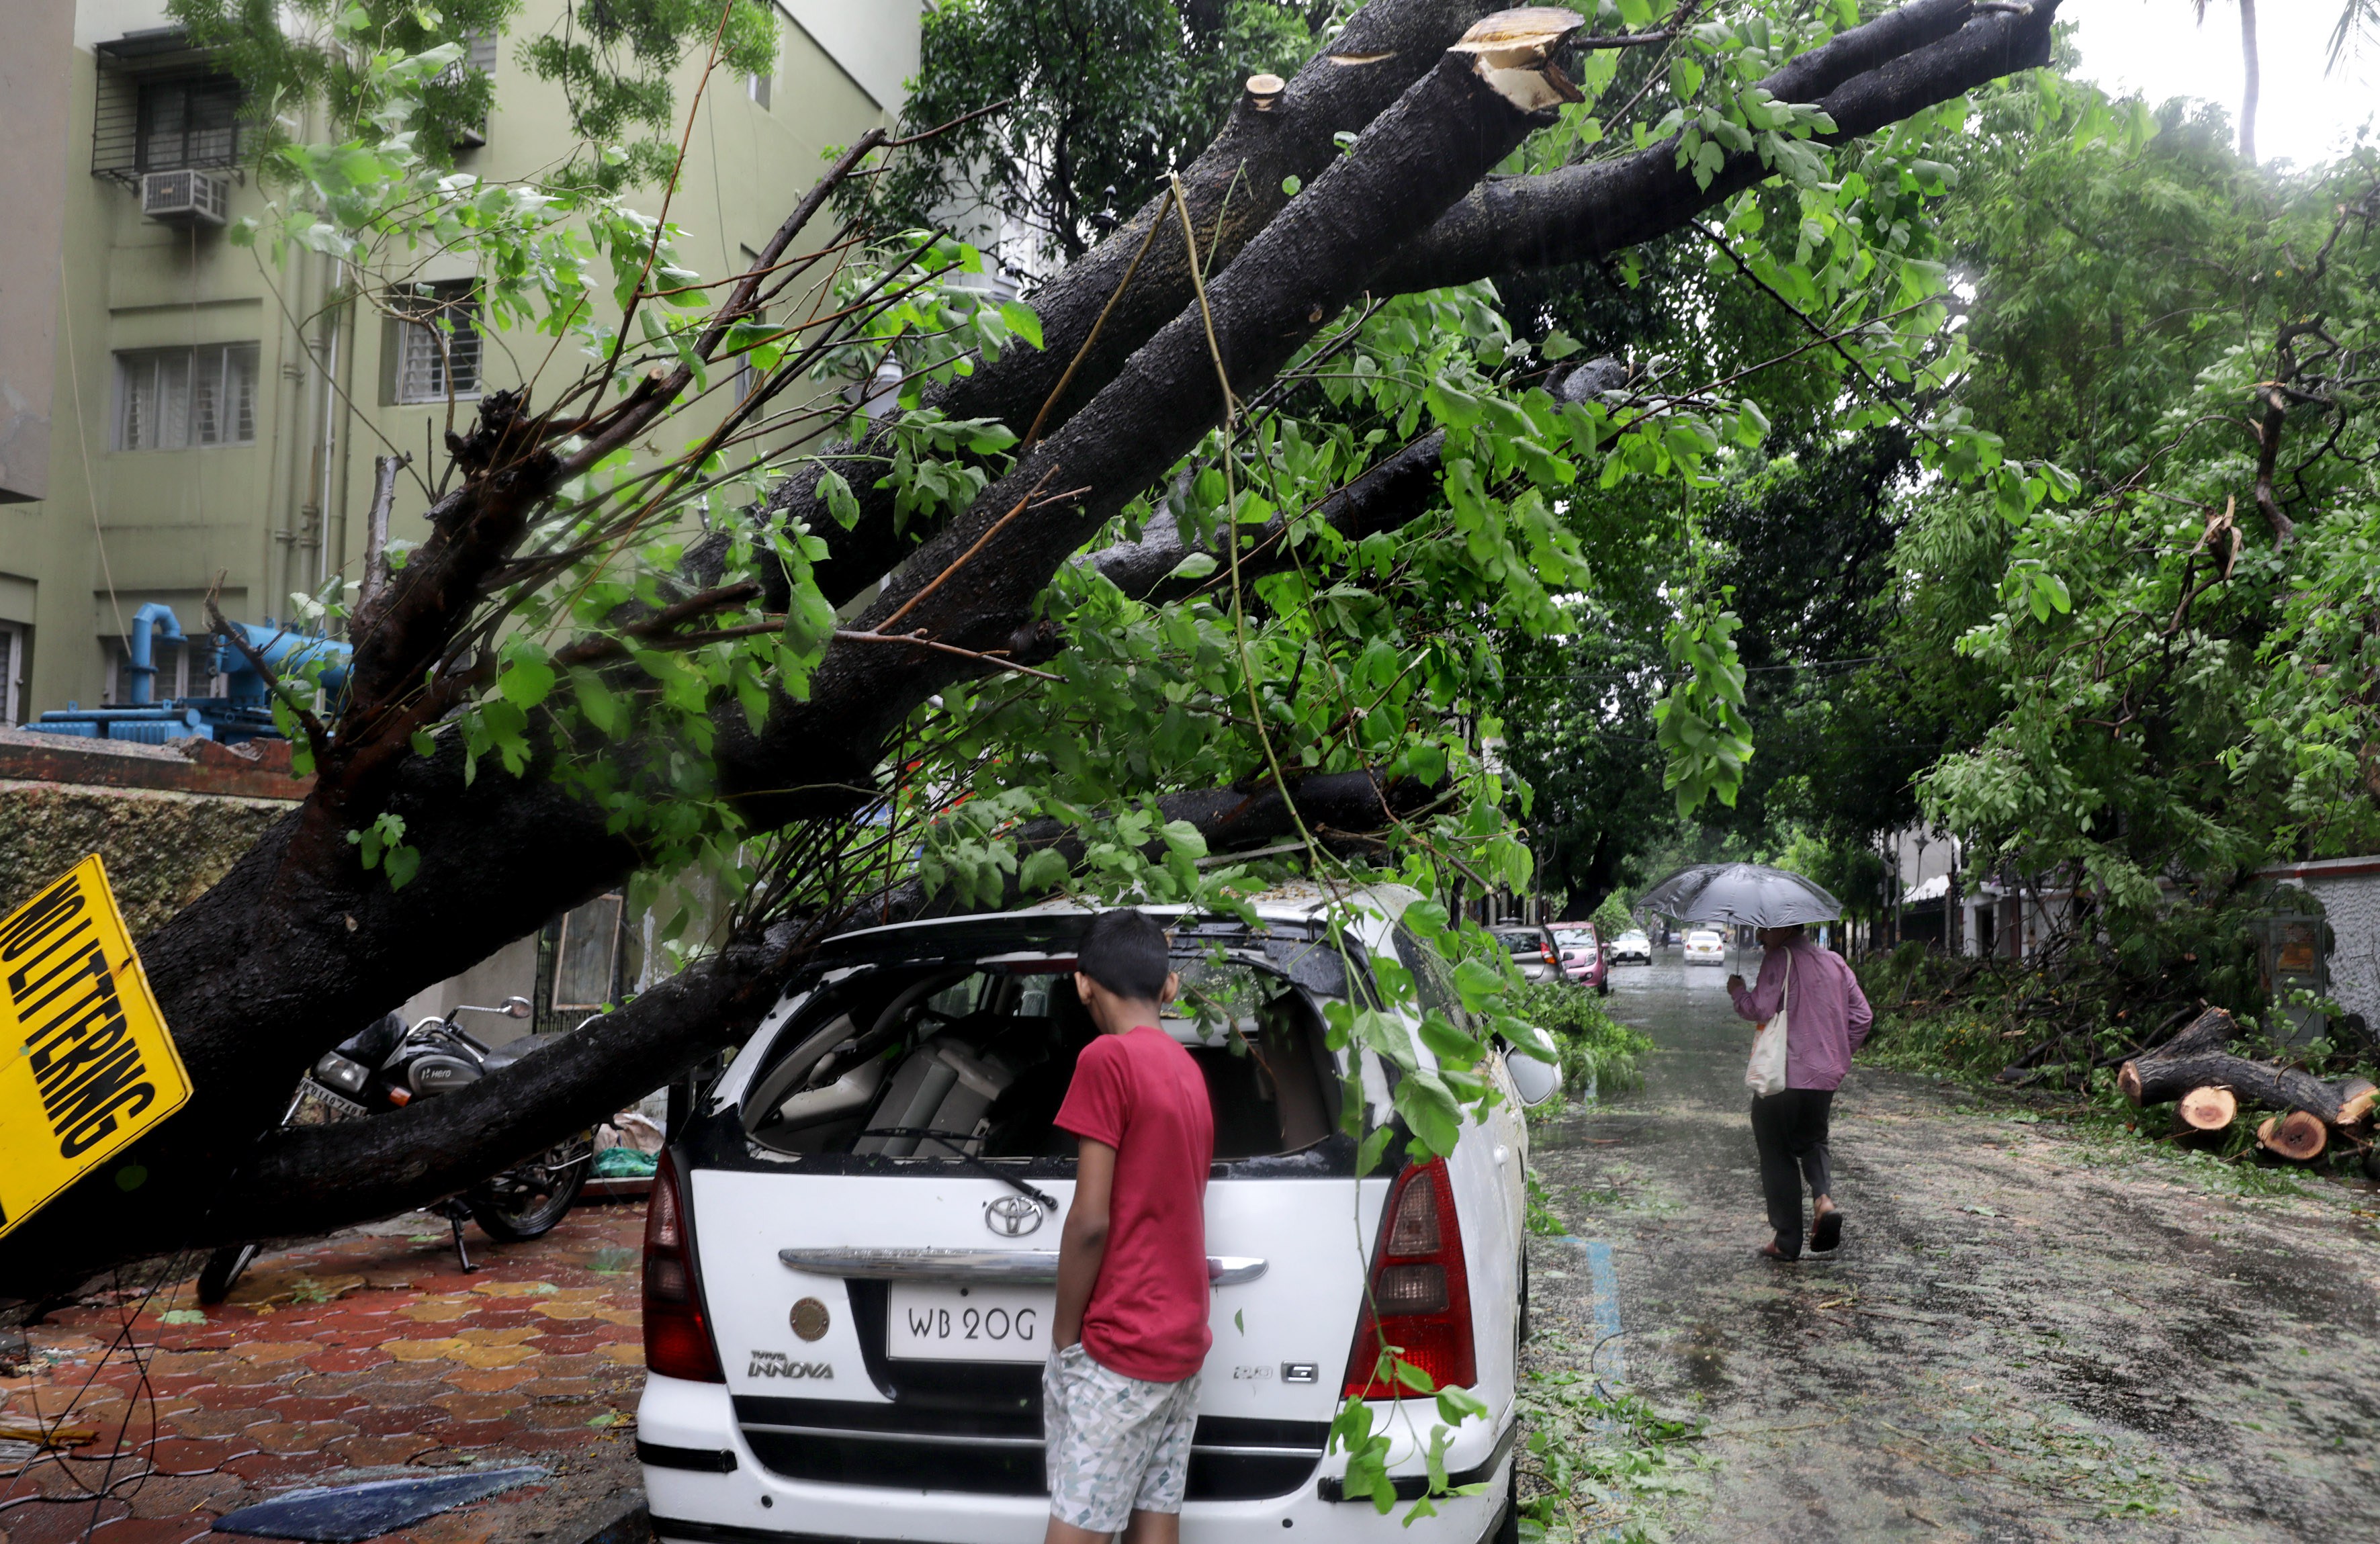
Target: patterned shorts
[(1115, 1446)]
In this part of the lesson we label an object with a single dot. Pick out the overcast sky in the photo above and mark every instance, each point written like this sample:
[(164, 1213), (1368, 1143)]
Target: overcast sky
[(2156, 47)]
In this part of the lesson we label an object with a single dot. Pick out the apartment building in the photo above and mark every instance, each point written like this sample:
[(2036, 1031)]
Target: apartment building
[(177, 411)]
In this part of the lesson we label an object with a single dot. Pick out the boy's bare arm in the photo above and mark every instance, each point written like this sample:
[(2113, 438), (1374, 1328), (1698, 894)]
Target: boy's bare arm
[(1083, 1243)]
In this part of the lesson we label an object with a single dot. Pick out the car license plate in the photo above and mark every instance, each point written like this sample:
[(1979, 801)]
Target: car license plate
[(970, 1323)]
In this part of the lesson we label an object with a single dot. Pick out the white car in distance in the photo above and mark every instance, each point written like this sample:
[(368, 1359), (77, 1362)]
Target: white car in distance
[(851, 1248), (1705, 947)]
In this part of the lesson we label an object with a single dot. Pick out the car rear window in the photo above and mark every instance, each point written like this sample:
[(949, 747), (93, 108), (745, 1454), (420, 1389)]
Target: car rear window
[(950, 1060)]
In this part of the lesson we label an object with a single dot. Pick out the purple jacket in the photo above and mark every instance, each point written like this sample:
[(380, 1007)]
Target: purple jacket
[(1826, 1018)]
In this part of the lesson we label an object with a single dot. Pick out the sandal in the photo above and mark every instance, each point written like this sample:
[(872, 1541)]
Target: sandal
[(1827, 1231), (1770, 1251)]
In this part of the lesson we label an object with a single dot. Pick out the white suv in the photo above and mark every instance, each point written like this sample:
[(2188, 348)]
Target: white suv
[(851, 1248)]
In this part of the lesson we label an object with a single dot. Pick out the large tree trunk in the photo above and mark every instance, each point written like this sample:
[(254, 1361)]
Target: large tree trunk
[(300, 944)]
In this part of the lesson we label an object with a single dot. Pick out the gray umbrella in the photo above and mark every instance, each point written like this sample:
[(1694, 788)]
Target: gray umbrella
[(1752, 894)]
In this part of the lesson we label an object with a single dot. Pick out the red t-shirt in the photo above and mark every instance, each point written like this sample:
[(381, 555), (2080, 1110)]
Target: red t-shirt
[(1140, 1093)]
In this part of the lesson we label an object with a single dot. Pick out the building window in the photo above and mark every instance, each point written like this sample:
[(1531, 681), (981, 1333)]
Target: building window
[(187, 122), (757, 87), (438, 342), (183, 670), (171, 399)]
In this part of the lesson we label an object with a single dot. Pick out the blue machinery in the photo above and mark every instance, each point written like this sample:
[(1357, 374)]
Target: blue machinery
[(242, 714)]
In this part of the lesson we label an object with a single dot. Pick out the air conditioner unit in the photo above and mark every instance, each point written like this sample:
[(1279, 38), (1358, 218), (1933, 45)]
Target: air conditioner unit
[(185, 198)]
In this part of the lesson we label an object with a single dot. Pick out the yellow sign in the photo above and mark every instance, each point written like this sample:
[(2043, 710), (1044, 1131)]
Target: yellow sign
[(89, 1063)]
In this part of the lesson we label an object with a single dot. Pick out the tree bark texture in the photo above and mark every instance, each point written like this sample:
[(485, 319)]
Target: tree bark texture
[(298, 945), (1233, 189)]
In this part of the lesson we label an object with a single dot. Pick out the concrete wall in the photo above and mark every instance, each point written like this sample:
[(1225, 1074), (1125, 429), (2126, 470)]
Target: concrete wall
[(35, 110)]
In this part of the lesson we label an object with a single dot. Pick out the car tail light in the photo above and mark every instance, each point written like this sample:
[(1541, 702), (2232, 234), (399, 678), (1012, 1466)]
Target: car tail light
[(1420, 1299), (677, 1342)]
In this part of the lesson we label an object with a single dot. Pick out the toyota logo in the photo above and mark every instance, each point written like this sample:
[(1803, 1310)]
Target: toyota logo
[(1011, 1216)]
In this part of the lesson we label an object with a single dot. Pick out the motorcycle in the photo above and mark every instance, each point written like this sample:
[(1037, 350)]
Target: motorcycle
[(386, 1067)]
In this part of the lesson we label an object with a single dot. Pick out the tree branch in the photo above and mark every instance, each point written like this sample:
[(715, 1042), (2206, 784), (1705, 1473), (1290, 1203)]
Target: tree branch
[(1904, 60)]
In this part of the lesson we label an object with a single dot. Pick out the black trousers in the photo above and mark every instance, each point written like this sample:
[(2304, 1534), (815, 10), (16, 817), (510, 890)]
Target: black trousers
[(1790, 1131)]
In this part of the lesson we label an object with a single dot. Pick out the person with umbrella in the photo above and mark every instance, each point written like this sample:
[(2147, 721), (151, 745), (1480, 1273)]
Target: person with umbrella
[(1827, 1017)]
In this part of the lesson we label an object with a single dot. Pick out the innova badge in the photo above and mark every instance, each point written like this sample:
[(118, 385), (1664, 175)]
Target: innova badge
[(1013, 1216)]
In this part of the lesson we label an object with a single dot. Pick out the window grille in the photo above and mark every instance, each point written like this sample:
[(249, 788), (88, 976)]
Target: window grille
[(438, 342), (163, 106), (173, 399)]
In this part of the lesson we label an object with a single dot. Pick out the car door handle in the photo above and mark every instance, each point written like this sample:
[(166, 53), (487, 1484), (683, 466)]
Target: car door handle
[(1013, 1267)]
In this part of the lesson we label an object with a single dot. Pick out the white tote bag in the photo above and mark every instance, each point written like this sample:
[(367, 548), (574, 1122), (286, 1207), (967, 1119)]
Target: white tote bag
[(1764, 1074)]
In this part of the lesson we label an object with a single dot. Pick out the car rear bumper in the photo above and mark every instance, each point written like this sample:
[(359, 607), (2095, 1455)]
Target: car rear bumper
[(687, 1435)]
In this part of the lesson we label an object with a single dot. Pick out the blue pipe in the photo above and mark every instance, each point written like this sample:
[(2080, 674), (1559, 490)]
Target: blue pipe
[(287, 653), (142, 647)]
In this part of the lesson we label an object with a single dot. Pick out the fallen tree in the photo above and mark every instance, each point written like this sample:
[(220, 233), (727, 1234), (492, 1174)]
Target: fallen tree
[(2197, 1064), (303, 940)]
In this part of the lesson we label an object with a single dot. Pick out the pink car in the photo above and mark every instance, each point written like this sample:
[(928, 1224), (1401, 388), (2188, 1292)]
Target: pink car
[(1582, 955)]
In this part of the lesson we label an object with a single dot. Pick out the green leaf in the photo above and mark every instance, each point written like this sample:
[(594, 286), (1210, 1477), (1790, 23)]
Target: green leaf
[(527, 679), (1044, 870), (1430, 1110), (1023, 321)]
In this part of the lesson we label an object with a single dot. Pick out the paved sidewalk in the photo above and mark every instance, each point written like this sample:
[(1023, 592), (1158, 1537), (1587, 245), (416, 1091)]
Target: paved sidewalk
[(365, 1356)]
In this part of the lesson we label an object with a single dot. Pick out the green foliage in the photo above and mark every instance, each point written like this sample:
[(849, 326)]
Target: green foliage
[(1596, 1465), (332, 53), (1598, 1051), (612, 58), (1109, 96)]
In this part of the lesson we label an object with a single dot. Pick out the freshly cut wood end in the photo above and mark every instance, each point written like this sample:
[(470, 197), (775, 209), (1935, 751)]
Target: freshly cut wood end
[(2128, 1080), (1513, 51), (1526, 34), (2299, 1136), (1264, 90), (2208, 1109), (2355, 1100)]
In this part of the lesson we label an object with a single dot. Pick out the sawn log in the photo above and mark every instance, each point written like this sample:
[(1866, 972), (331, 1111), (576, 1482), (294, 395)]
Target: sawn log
[(2196, 1059)]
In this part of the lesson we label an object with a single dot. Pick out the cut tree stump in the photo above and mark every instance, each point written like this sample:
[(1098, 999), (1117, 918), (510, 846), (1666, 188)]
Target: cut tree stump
[(2297, 1136), (2196, 1059), (2208, 1109)]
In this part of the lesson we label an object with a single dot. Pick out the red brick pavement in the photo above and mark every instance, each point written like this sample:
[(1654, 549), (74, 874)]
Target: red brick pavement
[(368, 1351)]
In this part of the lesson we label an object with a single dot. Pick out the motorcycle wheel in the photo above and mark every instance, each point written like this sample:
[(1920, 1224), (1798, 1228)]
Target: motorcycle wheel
[(223, 1270), (528, 1199)]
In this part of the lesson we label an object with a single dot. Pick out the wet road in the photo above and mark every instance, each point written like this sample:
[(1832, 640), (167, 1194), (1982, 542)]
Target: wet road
[(2032, 1332)]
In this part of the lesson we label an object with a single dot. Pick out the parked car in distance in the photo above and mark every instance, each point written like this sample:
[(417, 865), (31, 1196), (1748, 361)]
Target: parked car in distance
[(851, 1245), (1705, 947), (1580, 945), (1533, 950), (1631, 947)]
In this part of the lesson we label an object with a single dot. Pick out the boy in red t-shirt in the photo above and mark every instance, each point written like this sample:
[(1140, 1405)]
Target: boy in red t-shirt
[(1120, 1394)]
